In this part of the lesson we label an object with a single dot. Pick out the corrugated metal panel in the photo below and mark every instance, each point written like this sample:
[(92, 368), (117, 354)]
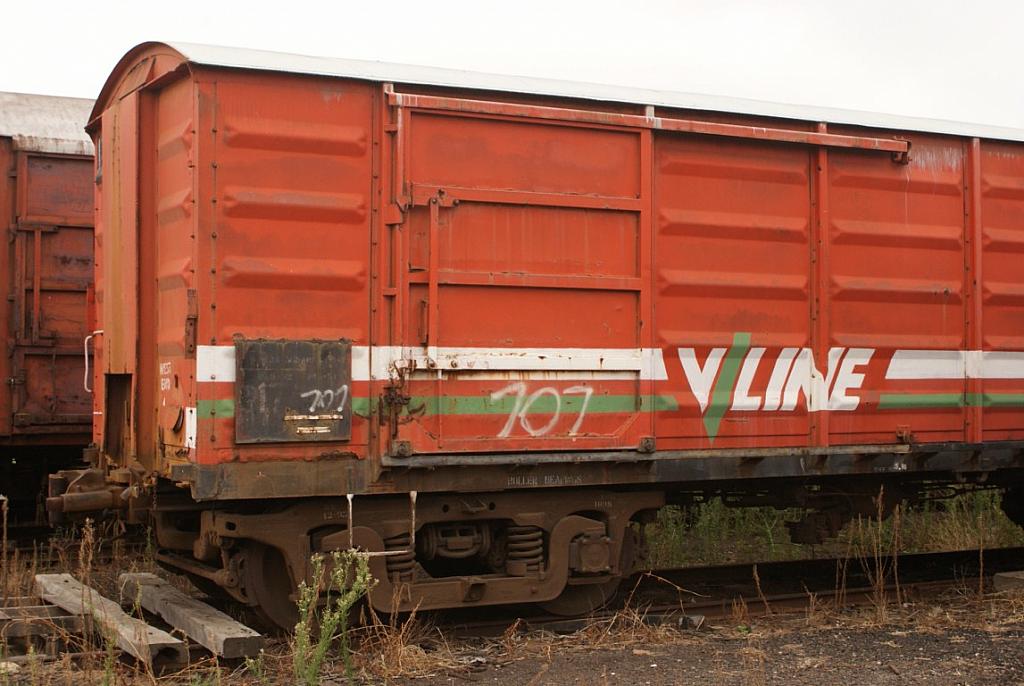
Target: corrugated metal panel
[(543, 284), (894, 259), (168, 236), (732, 246), (998, 313), (290, 202), (46, 123), (242, 58), (46, 202), (542, 251)]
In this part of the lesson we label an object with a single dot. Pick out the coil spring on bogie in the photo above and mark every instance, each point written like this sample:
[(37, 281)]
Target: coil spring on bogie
[(526, 545), (401, 567)]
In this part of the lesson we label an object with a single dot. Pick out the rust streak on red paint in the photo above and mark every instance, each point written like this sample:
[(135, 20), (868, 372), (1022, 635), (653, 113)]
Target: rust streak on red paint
[(710, 128)]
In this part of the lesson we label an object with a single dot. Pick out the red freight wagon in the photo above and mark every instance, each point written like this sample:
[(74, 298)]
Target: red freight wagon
[(482, 324), (46, 266)]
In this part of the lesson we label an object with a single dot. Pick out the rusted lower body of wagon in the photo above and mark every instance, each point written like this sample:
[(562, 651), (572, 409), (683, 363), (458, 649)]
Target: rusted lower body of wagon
[(46, 263), (484, 328)]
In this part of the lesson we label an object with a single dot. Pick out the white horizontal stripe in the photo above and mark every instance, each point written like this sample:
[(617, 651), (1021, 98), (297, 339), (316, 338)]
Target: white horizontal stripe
[(1001, 365), (653, 367), (926, 364), (381, 359), (217, 362), (605, 359), (955, 364), (528, 375), (647, 362), (973, 366)]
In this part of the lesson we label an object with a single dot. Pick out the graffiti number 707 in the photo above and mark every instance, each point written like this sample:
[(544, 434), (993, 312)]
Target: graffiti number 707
[(523, 403), (325, 399)]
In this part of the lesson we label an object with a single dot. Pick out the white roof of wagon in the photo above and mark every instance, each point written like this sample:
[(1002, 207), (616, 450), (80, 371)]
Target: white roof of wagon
[(242, 58), (46, 123)]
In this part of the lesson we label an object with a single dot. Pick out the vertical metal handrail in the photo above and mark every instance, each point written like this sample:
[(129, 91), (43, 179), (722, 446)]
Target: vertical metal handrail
[(85, 351)]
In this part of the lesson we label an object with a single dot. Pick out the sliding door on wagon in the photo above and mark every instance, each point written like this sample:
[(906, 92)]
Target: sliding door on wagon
[(520, 305)]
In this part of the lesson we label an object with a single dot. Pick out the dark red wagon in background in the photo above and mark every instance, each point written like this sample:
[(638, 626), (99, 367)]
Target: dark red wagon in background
[(46, 269)]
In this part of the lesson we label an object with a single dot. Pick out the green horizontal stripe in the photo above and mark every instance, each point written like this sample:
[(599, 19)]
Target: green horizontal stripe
[(224, 409), (659, 403), (361, 407), (1003, 399), (888, 401), (219, 409), (545, 404)]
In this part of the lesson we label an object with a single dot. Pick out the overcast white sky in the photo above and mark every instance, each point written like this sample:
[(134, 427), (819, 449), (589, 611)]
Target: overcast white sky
[(932, 58)]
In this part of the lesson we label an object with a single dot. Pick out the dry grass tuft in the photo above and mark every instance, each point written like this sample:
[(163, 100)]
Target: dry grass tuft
[(403, 646), (755, 661), (628, 627), (876, 542), (740, 612)]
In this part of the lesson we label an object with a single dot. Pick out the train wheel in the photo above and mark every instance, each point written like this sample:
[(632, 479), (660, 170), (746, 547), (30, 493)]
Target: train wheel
[(269, 585), (582, 599)]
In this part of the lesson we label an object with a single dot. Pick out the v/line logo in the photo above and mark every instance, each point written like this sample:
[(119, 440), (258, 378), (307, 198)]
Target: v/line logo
[(723, 382)]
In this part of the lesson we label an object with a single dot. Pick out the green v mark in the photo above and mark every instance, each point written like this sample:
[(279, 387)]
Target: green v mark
[(721, 392)]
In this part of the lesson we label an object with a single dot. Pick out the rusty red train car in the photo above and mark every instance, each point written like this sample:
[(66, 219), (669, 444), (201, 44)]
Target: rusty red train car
[(46, 263), (484, 326)]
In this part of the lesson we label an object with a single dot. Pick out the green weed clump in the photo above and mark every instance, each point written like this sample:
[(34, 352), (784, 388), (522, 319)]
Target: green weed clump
[(972, 520), (712, 532), (321, 625)]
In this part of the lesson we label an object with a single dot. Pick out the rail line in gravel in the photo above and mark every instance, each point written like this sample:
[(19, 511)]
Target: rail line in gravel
[(695, 596), (690, 596)]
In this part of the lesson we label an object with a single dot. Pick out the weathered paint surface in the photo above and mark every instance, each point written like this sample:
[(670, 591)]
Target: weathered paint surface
[(515, 280), (46, 263), (46, 123)]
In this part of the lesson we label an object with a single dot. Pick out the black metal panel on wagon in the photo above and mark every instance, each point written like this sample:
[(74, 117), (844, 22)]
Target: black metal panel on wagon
[(291, 391)]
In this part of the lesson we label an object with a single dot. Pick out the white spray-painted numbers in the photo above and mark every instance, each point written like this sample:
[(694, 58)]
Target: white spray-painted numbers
[(324, 399), (523, 403)]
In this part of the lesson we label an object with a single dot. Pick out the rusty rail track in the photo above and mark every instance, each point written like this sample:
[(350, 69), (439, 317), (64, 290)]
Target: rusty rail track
[(690, 596)]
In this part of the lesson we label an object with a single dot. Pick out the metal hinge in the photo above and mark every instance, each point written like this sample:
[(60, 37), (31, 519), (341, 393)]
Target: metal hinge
[(191, 321), (393, 214)]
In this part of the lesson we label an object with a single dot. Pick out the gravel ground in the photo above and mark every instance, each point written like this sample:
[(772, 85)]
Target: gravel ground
[(949, 641)]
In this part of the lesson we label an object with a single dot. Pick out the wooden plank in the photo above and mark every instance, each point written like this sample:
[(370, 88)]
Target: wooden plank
[(37, 620), (133, 636), (207, 626)]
